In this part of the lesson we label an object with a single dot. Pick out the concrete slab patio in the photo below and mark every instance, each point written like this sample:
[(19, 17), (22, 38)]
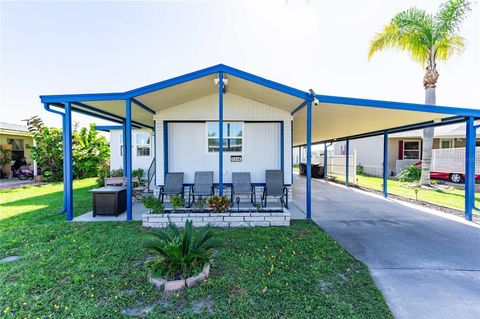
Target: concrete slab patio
[(427, 264)]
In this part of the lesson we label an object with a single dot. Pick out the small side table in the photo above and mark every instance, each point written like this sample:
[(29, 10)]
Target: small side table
[(109, 200)]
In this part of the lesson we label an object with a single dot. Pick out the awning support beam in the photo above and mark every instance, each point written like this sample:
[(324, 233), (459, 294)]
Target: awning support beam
[(470, 168), (347, 160), (220, 133), (309, 160), (325, 162), (385, 163), (68, 160), (127, 151)]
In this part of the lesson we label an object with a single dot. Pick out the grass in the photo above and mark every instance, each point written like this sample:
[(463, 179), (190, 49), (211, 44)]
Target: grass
[(95, 270), (450, 197)]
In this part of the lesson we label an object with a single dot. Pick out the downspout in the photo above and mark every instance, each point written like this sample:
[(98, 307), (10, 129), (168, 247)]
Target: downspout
[(48, 109)]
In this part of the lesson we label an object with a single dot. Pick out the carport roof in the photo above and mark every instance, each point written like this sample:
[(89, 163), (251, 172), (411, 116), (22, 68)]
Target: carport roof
[(333, 118)]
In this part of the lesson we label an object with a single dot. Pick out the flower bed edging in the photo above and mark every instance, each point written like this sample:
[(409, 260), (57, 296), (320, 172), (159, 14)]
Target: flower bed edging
[(177, 285), (229, 219)]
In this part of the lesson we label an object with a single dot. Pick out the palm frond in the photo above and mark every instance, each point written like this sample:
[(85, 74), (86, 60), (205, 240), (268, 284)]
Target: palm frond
[(448, 46), (160, 233), (409, 31), (449, 17)]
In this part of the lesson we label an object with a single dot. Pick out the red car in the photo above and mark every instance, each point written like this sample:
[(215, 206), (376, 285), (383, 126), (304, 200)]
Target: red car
[(453, 177)]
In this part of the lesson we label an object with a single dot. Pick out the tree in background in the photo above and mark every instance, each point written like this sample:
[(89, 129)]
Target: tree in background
[(427, 38), (49, 149), (91, 151)]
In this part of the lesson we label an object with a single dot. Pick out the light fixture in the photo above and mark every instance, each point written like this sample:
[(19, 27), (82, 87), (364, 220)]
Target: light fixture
[(225, 81)]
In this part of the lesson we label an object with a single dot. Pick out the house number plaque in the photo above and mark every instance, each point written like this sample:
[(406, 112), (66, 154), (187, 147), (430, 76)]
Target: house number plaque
[(235, 158)]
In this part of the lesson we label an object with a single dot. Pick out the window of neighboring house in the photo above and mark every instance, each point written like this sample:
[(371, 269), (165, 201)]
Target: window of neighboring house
[(411, 150), (121, 150), (232, 137), (18, 150), (343, 149), (447, 143), (143, 144)]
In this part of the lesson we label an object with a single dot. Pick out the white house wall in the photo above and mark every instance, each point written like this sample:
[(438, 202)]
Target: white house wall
[(263, 137), (116, 160)]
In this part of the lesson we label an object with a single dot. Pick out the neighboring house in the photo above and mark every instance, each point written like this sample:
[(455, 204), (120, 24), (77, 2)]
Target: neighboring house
[(18, 139), (142, 149), (403, 148)]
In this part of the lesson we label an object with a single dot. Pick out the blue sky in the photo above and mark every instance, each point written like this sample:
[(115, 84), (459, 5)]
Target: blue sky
[(86, 47)]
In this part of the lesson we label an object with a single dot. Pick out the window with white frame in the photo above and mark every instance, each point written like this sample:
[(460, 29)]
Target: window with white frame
[(411, 150), (232, 137), (143, 144), (447, 143)]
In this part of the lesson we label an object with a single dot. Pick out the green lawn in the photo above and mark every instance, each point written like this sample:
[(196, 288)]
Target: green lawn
[(450, 197), (95, 270)]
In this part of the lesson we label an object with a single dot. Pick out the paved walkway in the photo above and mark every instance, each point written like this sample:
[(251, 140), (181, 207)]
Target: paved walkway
[(15, 182), (427, 264)]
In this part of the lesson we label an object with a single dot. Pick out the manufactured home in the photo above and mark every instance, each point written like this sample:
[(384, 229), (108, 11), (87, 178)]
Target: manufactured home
[(224, 120)]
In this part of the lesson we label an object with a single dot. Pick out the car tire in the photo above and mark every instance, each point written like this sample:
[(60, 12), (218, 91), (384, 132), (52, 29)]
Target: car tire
[(456, 178)]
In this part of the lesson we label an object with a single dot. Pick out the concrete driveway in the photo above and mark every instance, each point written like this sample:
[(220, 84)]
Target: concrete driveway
[(427, 265)]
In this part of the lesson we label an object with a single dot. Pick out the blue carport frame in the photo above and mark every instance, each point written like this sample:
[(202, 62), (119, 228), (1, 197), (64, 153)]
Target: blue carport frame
[(76, 102)]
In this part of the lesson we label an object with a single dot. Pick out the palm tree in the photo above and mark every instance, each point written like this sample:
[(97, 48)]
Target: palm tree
[(427, 38)]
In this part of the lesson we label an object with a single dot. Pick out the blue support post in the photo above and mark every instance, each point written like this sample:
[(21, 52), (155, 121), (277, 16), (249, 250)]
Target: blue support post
[(127, 148), (124, 137), (220, 132), (165, 151), (309, 160), (282, 148), (68, 161), (470, 168), (347, 160), (385, 163), (325, 167), (154, 151)]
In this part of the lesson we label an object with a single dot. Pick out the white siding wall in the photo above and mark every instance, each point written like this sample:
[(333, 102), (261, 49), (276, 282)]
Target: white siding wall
[(369, 153), (116, 160), (263, 138)]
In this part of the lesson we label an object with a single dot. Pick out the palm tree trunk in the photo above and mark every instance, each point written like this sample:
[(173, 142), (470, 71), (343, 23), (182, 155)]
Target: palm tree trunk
[(430, 99)]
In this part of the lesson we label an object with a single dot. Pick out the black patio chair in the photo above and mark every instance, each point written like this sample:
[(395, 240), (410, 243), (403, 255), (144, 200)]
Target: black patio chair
[(173, 186), (274, 186), (242, 185), (203, 186)]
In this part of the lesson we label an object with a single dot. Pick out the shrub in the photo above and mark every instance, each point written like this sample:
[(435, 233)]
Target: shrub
[(410, 173), (180, 253), (219, 204), (177, 201), (138, 172), (116, 173), (359, 169), (102, 174), (199, 205), (153, 204)]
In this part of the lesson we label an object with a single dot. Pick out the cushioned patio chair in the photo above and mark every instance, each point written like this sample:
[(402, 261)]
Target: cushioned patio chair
[(203, 186), (242, 185), (275, 187), (173, 186)]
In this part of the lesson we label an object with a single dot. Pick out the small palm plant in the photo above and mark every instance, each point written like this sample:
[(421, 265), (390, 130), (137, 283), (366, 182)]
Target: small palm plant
[(180, 253)]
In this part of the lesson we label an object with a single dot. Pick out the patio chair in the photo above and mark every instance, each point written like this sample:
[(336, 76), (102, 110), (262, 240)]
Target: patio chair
[(274, 186), (173, 186), (203, 186), (242, 185)]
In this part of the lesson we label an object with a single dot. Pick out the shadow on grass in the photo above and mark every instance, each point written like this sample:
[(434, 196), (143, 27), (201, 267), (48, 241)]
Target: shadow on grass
[(82, 202)]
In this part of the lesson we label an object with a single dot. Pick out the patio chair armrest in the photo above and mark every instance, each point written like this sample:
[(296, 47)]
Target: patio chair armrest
[(285, 190)]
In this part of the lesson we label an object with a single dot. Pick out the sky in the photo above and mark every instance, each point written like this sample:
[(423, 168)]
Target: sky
[(90, 47)]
